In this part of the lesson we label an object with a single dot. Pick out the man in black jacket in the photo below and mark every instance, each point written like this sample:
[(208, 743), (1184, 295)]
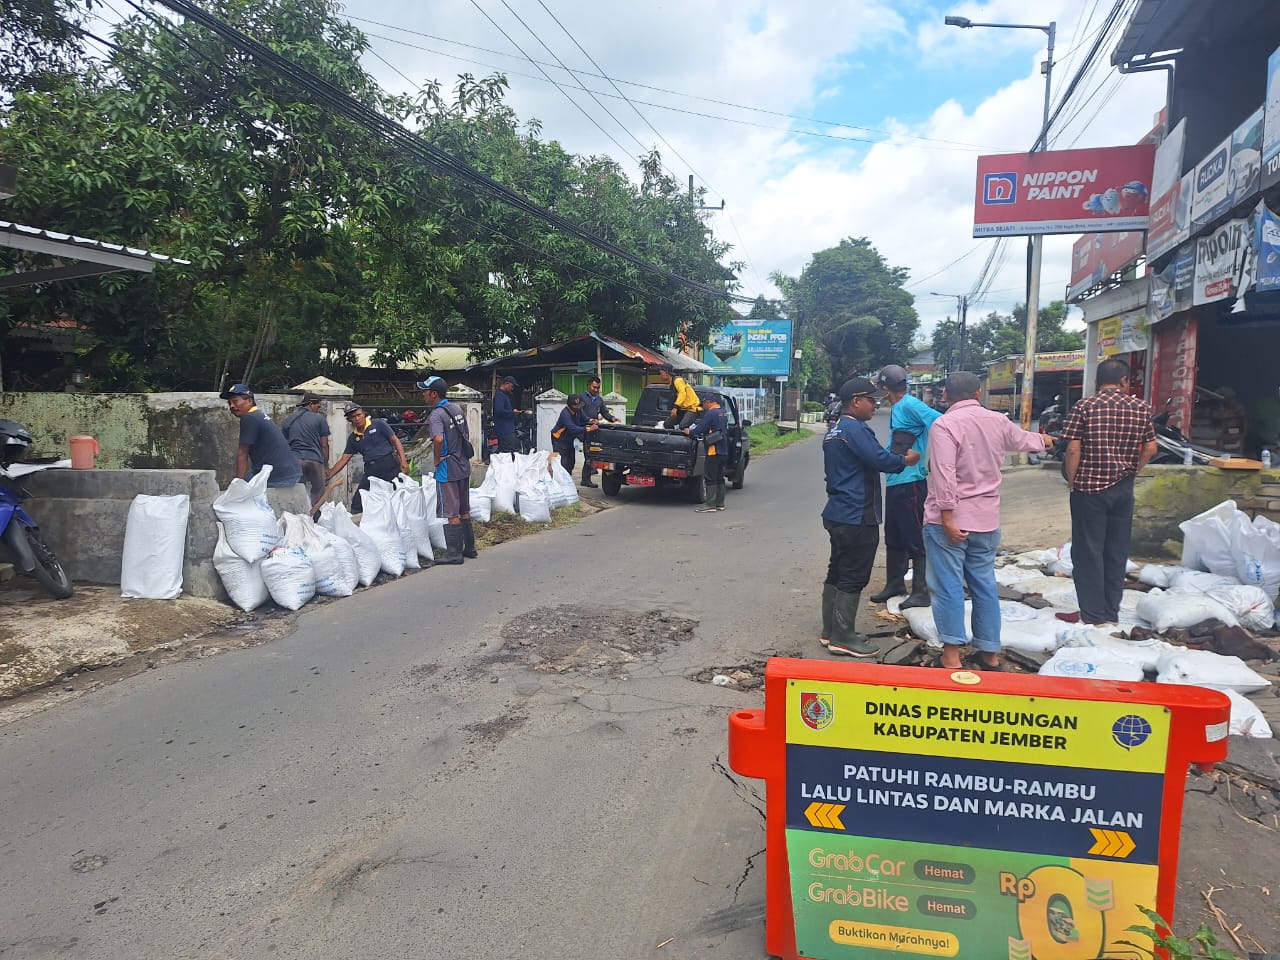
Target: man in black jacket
[(571, 426), (713, 425)]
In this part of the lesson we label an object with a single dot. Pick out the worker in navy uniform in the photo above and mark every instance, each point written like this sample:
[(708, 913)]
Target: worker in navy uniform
[(594, 409), (261, 441), (713, 426), (378, 446), (854, 461), (571, 426), (307, 432), (451, 443), (504, 415)]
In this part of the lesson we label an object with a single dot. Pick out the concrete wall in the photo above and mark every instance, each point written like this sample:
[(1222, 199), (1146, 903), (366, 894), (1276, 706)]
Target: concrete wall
[(1164, 496)]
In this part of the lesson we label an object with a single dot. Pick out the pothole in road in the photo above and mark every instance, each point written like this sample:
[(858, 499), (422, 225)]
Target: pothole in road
[(583, 639), (748, 675)]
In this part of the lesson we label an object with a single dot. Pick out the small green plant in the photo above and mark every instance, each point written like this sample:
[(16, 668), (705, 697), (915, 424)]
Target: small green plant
[(1202, 943)]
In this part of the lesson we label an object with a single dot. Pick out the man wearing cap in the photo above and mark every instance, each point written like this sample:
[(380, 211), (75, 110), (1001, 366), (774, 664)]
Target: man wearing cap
[(378, 446), (686, 406), (854, 461), (967, 445), (307, 431), (713, 426), (570, 426), (905, 492), (450, 439), (504, 416), (261, 442), (594, 409)]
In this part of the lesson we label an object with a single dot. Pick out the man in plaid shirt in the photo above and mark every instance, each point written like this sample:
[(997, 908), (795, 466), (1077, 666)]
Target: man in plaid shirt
[(1109, 439)]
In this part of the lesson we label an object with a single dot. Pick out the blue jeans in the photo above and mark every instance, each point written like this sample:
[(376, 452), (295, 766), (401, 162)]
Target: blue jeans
[(953, 565)]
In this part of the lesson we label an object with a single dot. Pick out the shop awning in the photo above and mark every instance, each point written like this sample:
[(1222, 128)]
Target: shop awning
[(87, 258), (586, 348), (1161, 26)]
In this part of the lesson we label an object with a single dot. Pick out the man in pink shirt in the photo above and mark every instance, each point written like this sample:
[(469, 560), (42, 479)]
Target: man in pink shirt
[(967, 445)]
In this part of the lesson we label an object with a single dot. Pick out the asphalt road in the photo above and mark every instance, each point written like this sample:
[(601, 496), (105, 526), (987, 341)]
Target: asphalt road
[(390, 781)]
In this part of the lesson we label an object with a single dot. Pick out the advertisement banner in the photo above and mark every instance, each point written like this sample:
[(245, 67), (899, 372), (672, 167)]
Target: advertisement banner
[(1165, 230), (1173, 370), (1064, 191), (1267, 241), (1211, 196), (1271, 124), (1126, 333), (1246, 160), (1171, 287), (1220, 258), (1097, 256), (751, 348), (1001, 374), (1060, 362)]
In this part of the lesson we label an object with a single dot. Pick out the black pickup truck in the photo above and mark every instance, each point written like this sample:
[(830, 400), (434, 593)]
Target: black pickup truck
[(643, 454)]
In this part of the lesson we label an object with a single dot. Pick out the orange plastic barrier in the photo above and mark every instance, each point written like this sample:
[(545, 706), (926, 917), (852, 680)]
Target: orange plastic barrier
[(972, 815)]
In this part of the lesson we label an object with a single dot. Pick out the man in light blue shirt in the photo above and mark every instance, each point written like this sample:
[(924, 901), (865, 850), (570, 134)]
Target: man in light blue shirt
[(905, 492)]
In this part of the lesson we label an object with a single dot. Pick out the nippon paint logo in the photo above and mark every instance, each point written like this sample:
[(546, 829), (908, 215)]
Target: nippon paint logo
[(998, 188)]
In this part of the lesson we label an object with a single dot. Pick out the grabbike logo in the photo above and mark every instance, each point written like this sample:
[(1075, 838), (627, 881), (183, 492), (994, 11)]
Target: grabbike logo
[(998, 188)]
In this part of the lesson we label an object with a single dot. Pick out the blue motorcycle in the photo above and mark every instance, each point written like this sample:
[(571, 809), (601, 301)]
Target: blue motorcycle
[(19, 534)]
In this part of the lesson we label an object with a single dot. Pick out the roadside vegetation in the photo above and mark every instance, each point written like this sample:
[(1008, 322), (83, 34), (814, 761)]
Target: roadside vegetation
[(768, 436)]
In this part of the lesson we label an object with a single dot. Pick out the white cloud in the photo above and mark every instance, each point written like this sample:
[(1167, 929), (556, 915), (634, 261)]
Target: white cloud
[(790, 195)]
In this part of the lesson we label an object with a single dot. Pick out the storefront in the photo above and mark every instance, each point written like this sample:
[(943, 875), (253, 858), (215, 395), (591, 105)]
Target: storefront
[(1059, 379)]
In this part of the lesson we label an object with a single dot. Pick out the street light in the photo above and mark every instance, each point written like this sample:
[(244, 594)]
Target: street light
[(1035, 243), (962, 301)]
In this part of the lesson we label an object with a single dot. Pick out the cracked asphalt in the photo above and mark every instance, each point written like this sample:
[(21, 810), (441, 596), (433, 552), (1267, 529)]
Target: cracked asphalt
[(402, 777)]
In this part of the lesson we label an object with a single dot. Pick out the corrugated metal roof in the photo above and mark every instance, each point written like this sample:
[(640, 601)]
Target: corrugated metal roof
[(581, 348), (85, 243)]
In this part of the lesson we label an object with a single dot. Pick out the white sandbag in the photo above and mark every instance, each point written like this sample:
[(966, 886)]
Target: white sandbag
[(1204, 668), (1145, 654), (1246, 719), (248, 518), (435, 529), (408, 543), (1164, 609), (1251, 605), (1158, 574), (1256, 552), (534, 505), (242, 580), (1032, 637), (1186, 580), (409, 492), (1034, 559), (481, 507), (346, 574), (290, 577), (1062, 564), (1009, 575), (502, 491), (920, 620), (379, 522), (1059, 592), (435, 523), (1129, 616), (155, 541), (1206, 539), (1090, 663), (1012, 611), (335, 568), (335, 518), (564, 480)]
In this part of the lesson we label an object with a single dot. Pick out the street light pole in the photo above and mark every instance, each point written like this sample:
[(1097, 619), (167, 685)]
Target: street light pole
[(1035, 243), (962, 302)]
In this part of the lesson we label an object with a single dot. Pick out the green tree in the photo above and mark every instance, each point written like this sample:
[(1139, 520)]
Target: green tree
[(999, 335)]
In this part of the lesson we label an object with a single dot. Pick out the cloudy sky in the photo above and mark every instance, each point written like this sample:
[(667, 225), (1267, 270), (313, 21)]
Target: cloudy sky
[(812, 120)]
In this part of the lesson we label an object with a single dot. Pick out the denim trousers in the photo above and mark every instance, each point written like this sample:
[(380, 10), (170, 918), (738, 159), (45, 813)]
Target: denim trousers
[(951, 567)]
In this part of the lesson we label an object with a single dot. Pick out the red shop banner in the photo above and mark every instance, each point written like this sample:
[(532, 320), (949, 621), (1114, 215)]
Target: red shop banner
[(1098, 256), (1173, 370), (1064, 191)]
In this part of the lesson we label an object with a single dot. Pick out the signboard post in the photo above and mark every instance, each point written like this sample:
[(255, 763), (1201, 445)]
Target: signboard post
[(967, 815)]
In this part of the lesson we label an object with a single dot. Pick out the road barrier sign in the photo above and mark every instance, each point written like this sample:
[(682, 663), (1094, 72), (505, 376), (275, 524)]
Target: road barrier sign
[(968, 815)]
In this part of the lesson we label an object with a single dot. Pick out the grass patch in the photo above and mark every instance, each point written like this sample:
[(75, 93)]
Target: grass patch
[(511, 526), (767, 436)]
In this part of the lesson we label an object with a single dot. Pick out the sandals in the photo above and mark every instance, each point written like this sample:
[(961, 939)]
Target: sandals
[(975, 662)]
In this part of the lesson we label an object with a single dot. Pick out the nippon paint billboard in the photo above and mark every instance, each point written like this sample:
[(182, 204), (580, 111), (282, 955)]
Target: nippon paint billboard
[(755, 348), (1064, 191)]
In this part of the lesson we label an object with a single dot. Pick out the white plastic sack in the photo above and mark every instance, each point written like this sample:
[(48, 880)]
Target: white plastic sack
[(534, 505), (1032, 637), (1256, 549), (1206, 539), (1251, 605), (1057, 591), (1204, 668), (481, 507), (346, 576), (379, 522), (1009, 575), (332, 559), (1164, 609), (248, 518), (1187, 580), (1144, 654), (1158, 574), (155, 541), (562, 479), (290, 578), (335, 518), (499, 482), (1246, 719), (242, 580), (1062, 564), (409, 492), (1090, 663), (408, 543)]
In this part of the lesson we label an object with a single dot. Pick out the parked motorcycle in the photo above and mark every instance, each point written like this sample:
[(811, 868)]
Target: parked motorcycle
[(19, 534)]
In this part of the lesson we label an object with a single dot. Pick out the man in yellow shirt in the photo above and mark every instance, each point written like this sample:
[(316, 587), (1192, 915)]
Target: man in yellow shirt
[(687, 406)]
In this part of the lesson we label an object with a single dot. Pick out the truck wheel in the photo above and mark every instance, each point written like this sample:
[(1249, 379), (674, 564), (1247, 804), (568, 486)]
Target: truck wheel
[(611, 483), (740, 477), (696, 487)]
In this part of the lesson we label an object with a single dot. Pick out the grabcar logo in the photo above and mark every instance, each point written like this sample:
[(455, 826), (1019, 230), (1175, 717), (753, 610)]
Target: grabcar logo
[(1000, 188)]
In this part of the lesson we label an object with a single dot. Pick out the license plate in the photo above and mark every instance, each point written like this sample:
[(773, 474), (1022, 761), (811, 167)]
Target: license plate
[(640, 480)]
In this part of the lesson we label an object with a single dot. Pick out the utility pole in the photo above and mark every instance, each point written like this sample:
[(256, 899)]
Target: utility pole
[(962, 302)]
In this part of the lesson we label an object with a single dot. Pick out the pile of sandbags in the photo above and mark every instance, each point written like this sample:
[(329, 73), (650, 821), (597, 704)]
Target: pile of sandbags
[(528, 484)]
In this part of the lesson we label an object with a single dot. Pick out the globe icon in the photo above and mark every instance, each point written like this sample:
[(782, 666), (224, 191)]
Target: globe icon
[(1131, 731)]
